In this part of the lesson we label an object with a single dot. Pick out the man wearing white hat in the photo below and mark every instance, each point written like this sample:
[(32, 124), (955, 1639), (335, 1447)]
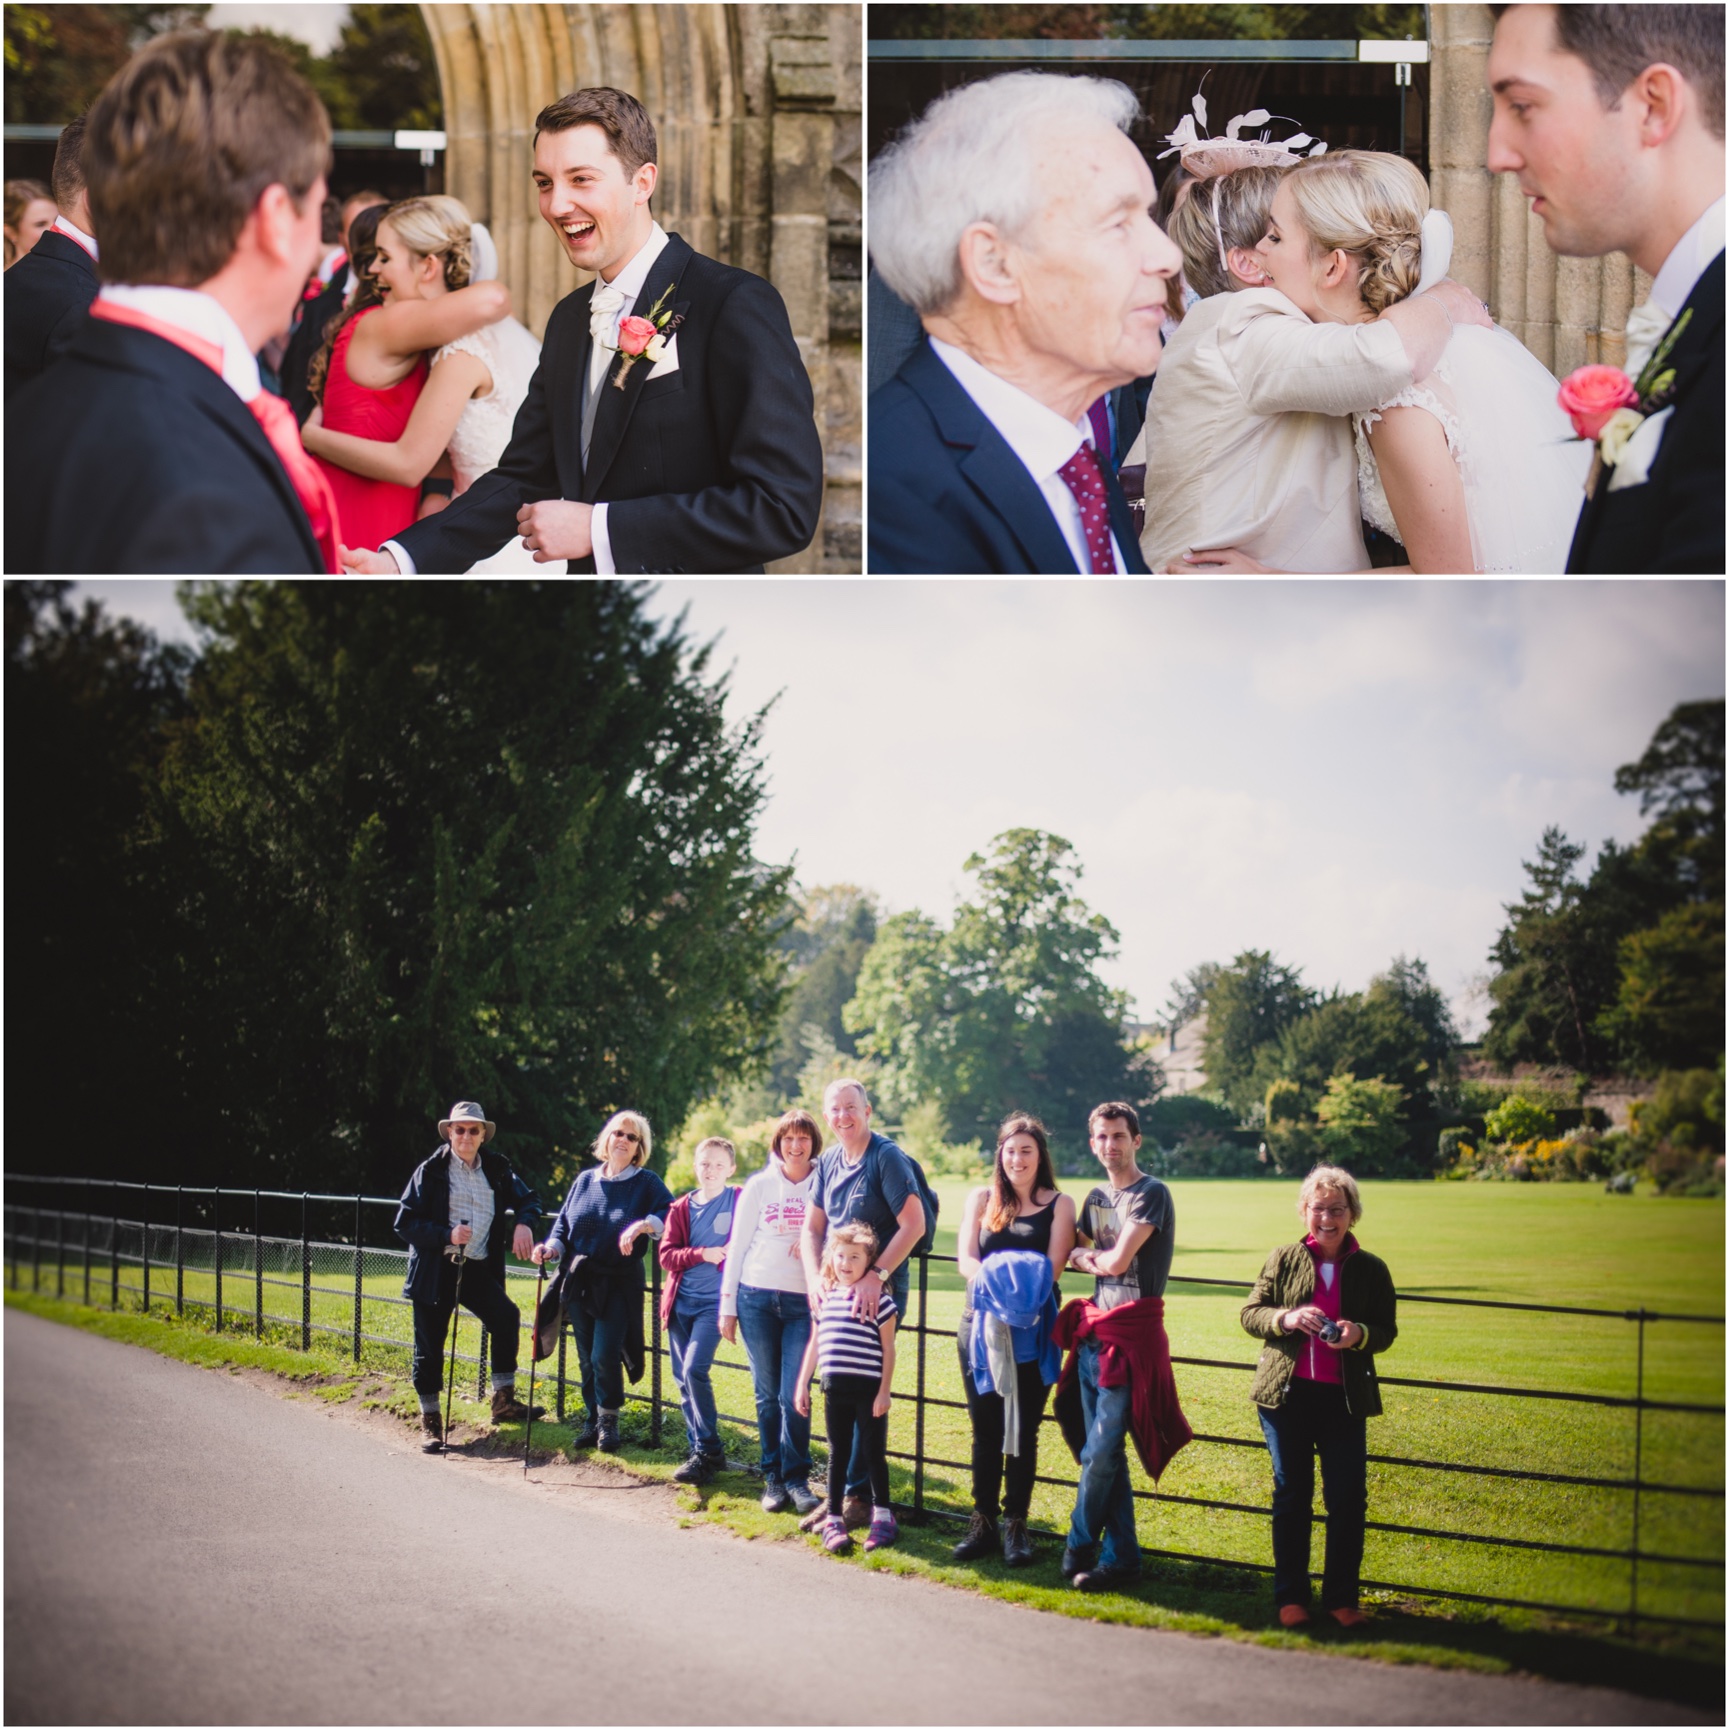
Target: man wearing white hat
[(452, 1219)]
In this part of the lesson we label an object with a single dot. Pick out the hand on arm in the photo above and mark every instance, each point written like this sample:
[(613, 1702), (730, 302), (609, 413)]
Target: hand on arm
[(555, 530), (1425, 321), (390, 340), (1112, 1262)]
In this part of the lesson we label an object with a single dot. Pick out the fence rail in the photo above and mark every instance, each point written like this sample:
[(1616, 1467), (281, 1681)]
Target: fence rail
[(207, 1249)]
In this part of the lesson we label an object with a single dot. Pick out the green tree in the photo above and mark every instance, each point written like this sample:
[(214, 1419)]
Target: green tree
[(825, 946), (384, 66), (1360, 1124), (1668, 1008), (1250, 1005), (1005, 1009), (59, 57), (1188, 996), (1680, 778), (446, 839)]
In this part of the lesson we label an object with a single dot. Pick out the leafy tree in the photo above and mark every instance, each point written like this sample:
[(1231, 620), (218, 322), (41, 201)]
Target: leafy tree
[(1360, 1124), (1188, 997), (1250, 1005), (1668, 1008), (1680, 778), (825, 945), (384, 66), (59, 57), (1005, 1009), (454, 839)]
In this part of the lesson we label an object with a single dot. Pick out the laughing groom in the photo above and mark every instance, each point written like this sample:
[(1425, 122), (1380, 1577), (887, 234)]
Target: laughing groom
[(670, 426)]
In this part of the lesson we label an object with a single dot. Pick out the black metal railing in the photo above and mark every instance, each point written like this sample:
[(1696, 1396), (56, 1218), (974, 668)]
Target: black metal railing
[(336, 1255)]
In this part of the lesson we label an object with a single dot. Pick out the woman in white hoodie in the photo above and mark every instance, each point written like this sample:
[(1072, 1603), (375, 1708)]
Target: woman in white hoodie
[(763, 1293)]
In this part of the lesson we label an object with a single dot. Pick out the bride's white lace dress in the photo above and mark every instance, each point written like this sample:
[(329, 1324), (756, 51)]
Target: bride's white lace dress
[(1524, 475), (510, 353)]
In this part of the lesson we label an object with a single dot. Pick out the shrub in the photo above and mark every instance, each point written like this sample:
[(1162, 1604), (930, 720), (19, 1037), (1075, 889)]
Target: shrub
[(1284, 1102), (1209, 1154), (1518, 1119)]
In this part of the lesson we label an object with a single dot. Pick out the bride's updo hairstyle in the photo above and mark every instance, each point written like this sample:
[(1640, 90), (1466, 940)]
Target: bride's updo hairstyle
[(437, 226), (1370, 205), (1244, 201)]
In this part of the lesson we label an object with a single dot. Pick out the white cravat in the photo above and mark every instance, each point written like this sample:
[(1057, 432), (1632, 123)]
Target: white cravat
[(1646, 324), (603, 316), (1672, 286)]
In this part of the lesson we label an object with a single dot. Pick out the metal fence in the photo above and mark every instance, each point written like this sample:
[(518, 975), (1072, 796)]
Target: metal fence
[(292, 1266)]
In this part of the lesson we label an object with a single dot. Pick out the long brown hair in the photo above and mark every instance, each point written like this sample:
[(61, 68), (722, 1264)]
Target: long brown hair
[(362, 250), (1004, 1203)]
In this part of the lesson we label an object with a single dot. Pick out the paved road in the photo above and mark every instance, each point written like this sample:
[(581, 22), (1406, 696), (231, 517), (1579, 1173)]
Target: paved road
[(184, 1547)]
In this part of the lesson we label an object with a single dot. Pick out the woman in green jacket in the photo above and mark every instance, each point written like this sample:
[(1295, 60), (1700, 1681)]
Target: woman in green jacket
[(1324, 1307)]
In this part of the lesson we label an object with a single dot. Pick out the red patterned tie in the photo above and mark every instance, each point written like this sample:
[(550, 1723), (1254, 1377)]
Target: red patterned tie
[(1080, 474)]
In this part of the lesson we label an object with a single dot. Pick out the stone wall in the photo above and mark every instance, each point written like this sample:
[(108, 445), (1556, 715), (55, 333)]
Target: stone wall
[(759, 112), (1569, 312)]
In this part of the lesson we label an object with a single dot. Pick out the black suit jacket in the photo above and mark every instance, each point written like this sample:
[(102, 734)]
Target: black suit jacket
[(48, 291), (716, 467), (947, 494), (308, 335), (1674, 522), (140, 460)]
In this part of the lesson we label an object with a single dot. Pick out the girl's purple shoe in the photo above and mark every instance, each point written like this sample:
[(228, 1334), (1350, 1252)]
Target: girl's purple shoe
[(883, 1532)]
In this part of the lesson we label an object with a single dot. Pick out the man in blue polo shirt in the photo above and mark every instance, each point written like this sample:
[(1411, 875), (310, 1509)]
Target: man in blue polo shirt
[(862, 1176)]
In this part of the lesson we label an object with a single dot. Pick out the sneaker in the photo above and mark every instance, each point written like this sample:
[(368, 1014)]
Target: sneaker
[(836, 1539), (698, 1469), (980, 1539), (1017, 1546), (1075, 1562), (804, 1499), (1104, 1579), (774, 1496), (432, 1432), (856, 1511), (1293, 1616), (883, 1532)]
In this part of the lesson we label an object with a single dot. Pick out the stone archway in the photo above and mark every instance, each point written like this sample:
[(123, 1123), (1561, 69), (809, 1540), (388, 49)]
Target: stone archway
[(758, 109)]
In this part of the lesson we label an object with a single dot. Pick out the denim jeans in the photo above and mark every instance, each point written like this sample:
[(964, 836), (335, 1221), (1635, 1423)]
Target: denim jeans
[(694, 1337), (1313, 1420), (776, 1329), (600, 1351), (858, 1471), (1104, 1504)]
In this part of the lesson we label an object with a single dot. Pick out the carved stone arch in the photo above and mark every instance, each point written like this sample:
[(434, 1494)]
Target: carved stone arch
[(758, 111)]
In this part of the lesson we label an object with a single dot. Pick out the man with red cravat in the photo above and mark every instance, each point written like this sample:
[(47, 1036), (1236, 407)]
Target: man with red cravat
[(153, 447)]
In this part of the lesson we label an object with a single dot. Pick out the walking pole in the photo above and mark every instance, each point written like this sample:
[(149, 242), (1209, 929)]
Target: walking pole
[(455, 1323), (533, 1353)]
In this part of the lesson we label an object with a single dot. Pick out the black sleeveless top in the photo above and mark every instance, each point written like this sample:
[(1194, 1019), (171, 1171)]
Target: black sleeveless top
[(1027, 1231)]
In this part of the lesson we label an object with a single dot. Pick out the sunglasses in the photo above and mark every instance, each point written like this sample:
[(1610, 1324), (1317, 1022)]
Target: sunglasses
[(467, 1128), (626, 1135)]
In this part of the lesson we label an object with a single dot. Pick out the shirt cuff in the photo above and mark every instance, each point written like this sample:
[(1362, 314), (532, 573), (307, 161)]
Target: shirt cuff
[(403, 562), (603, 561)]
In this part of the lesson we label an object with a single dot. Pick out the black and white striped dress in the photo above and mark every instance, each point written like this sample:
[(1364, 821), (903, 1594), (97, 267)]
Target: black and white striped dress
[(847, 1346)]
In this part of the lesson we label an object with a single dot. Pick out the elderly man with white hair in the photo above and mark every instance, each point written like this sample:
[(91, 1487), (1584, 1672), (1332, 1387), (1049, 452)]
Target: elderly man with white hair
[(1016, 216)]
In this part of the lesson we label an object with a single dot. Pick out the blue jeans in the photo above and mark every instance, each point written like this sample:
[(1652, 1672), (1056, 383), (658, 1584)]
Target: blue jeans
[(776, 1329), (695, 1337), (600, 1351), (1313, 1420), (1104, 1504), (858, 1470)]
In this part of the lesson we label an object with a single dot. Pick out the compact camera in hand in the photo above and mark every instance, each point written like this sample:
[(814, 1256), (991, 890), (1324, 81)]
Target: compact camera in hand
[(1331, 1332)]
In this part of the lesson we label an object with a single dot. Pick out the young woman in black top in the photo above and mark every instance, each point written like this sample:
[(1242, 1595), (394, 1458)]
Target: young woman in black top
[(1020, 1209)]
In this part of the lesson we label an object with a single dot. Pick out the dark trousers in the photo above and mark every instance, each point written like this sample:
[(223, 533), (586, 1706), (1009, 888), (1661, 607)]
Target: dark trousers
[(858, 1479), (852, 1430), (1313, 1420), (986, 1412), (482, 1295), (600, 1350)]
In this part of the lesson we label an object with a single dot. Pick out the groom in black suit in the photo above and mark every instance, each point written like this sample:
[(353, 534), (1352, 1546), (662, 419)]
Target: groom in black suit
[(1612, 118), (699, 455)]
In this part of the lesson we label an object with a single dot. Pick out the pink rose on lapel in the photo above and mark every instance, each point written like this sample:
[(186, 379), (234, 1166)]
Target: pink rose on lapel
[(1592, 394), (635, 334)]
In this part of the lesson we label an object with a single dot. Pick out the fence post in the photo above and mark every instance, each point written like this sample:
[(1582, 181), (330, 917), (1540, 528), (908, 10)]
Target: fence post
[(257, 1267), (144, 1208), (179, 1249), (36, 1249), (1638, 1474), (305, 1280), (357, 1230), (919, 1408), (216, 1245), (60, 1253), (654, 1354), (87, 1224), (114, 1254)]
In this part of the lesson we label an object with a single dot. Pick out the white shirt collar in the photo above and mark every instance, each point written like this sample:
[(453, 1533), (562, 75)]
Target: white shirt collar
[(1038, 435), (629, 281), (1687, 262), (192, 310), (73, 232)]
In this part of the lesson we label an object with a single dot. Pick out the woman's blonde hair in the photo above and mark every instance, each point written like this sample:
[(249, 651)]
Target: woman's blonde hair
[(626, 1120), (437, 226), (1370, 205), (1243, 201), (1337, 1179), (854, 1231)]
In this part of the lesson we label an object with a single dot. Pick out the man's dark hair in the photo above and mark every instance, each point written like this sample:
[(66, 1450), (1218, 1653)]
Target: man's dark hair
[(330, 222), (68, 176), (1619, 42), (1115, 1108), (619, 115)]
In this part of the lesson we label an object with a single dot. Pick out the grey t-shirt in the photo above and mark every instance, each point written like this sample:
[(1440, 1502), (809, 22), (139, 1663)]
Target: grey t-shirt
[(1107, 1214)]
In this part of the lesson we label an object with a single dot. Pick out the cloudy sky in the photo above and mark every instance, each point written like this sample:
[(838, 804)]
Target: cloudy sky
[(1338, 772), (315, 23)]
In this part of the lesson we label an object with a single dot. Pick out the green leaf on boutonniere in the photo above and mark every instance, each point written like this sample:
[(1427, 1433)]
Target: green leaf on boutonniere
[(1662, 382), (1671, 336), (654, 311)]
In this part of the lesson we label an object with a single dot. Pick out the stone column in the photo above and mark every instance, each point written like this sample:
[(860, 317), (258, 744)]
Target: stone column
[(1569, 312)]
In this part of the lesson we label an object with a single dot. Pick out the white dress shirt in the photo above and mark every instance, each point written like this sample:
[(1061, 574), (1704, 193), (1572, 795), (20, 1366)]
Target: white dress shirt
[(629, 283), (1687, 262), (1038, 435), (73, 232), (200, 314)]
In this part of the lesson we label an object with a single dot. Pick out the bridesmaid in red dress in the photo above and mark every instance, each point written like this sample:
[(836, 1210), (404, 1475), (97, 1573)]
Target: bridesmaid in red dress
[(374, 366)]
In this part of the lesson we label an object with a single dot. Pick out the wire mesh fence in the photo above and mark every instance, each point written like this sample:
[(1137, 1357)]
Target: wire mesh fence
[(1600, 1495)]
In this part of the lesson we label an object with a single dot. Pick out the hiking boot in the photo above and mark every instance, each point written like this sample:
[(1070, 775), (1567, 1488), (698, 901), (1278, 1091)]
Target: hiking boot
[(508, 1409), (980, 1539), (804, 1499), (607, 1440), (1017, 1546), (432, 1432), (883, 1532), (698, 1469), (811, 1521), (856, 1511), (774, 1496), (587, 1436)]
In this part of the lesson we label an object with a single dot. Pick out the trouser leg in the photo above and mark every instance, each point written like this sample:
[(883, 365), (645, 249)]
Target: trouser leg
[(701, 1340), (794, 1430), (1343, 1447), (431, 1324), (1020, 1469), (840, 1416), (1291, 1450), (760, 1324), (986, 1412), (582, 1326), (485, 1298), (1104, 1503)]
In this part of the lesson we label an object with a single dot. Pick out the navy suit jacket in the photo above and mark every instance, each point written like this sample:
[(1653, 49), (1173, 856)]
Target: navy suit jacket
[(716, 467), (1674, 522), (48, 292), (304, 344), (949, 497), (139, 460)]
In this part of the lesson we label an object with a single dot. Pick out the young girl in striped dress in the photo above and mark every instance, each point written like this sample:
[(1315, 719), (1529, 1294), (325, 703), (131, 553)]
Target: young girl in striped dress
[(857, 1360)]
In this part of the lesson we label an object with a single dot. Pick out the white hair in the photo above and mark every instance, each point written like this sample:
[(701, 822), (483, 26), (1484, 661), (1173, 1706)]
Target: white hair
[(974, 156)]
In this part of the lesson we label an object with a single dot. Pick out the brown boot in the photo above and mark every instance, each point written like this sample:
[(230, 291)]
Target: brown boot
[(980, 1539), (432, 1432), (1017, 1546), (815, 1517), (508, 1409), (856, 1511)]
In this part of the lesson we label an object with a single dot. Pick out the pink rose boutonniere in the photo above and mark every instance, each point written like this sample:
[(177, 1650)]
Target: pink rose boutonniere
[(1608, 408), (1589, 396), (639, 337)]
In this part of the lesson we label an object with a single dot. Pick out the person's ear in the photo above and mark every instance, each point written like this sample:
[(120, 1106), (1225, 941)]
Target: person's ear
[(987, 264), (1665, 96), (644, 181), (1246, 266), (1338, 271)]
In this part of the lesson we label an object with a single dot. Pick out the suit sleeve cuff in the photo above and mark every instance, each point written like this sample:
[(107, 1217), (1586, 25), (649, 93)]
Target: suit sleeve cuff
[(603, 560), (403, 562)]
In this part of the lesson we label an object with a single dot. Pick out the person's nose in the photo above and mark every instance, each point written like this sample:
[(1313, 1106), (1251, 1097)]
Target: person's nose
[(1502, 157)]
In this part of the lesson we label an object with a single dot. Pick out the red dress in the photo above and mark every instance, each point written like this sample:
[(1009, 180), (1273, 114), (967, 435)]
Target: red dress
[(370, 511)]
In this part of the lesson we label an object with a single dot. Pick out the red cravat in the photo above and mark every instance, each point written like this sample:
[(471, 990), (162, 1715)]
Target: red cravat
[(274, 417), (1080, 474)]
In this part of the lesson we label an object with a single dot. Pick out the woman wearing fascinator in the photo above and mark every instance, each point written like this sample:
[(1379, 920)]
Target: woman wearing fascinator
[(437, 270), (1472, 468), (1246, 444)]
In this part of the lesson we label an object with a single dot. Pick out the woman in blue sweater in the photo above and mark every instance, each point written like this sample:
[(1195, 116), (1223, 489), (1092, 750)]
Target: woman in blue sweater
[(613, 1211)]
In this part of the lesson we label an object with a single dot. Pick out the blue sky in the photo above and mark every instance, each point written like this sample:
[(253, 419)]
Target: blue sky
[(1339, 772)]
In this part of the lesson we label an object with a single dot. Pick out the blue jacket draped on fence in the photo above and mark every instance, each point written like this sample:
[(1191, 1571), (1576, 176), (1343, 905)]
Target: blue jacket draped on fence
[(1018, 1287)]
